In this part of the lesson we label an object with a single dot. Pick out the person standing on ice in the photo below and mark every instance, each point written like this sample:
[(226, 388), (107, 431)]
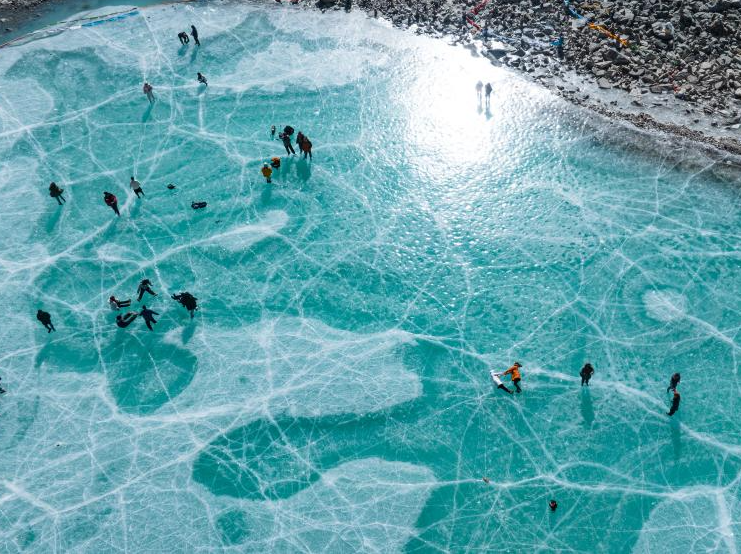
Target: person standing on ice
[(202, 79), (498, 382), (267, 172), (306, 147), (287, 143), (586, 374), (488, 90), (136, 186), (675, 404), (112, 202), (272, 132), (514, 372), (194, 34), (145, 286), (479, 89), (183, 37), (56, 192), (147, 88), (45, 319), (148, 316), (674, 382)]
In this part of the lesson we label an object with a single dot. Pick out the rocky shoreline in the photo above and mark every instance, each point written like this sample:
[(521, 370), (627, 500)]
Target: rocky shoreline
[(14, 13), (668, 65)]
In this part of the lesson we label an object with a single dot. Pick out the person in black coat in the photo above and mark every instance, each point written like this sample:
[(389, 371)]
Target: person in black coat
[(45, 319)]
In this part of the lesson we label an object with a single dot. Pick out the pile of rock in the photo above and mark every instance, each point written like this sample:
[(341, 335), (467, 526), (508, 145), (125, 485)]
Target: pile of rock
[(686, 48), (691, 49)]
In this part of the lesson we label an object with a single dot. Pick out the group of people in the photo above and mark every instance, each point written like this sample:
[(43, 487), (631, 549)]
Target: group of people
[(515, 376), (303, 142), (585, 373), (183, 36), (112, 202), (148, 89), (186, 299)]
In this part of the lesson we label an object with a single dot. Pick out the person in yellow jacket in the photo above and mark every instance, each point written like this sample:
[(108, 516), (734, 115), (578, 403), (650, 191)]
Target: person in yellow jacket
[(267, 172), (514, 372)]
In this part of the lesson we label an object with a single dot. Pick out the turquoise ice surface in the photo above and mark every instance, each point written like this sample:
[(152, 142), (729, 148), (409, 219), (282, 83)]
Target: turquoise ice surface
[(332, 393)]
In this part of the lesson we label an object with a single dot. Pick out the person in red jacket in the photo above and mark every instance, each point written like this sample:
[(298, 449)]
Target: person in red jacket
[(306, 147), (514, 372), (111, 201)]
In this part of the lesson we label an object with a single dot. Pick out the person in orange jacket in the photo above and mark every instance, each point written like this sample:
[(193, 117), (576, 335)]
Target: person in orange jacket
[(514, 372), (267, 172)]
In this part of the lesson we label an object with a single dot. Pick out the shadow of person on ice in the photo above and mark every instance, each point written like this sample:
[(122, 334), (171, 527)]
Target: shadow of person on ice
[(51, 223), (587, 410), (303, 170), (147, 113)]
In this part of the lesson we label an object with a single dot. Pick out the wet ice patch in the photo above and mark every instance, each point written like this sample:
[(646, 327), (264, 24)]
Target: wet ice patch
[(298, 366), (695, 522), (308, 69), (20, 207), (243, 236), (665, 305), (23, 104), (368, 505)]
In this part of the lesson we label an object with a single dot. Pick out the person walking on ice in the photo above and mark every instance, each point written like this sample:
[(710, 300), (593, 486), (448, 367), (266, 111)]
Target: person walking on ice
[(112, 202), (498, 382), (45, 319), (148, 91), (136, 186), (144, 286), (675, 404), (515, 375), (674, 382), (479, 89), (488, 90), (267, 172), (586, 374), (148, 316), (56, 193), (194, 34)]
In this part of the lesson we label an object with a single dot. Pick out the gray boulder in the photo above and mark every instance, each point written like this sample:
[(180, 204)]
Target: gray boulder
[(663, 30)]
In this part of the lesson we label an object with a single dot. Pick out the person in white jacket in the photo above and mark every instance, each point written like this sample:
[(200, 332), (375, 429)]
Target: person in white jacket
[(136, 186), (498, 382)]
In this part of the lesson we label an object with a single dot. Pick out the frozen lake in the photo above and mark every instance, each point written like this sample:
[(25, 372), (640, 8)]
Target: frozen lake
[(332, 393)]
